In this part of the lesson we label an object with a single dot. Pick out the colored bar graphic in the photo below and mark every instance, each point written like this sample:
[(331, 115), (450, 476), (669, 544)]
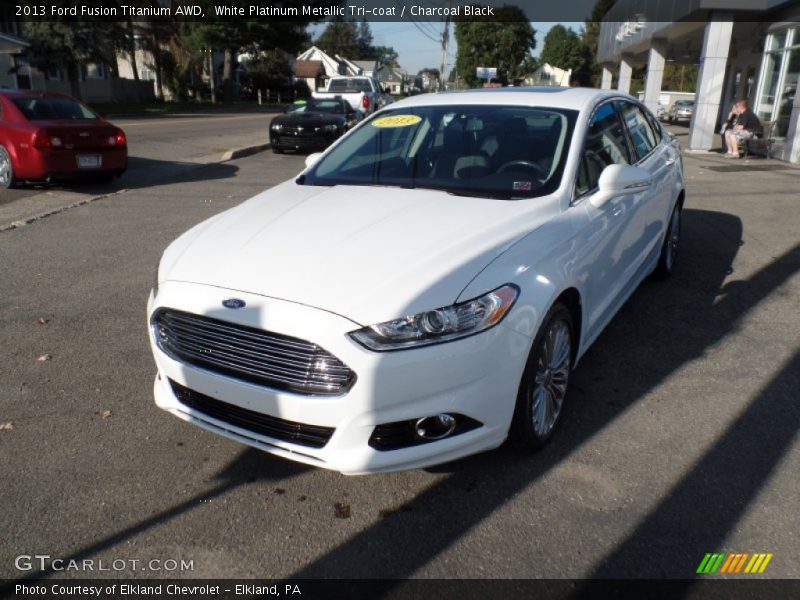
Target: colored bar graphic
[(732, 559), (734, 562)]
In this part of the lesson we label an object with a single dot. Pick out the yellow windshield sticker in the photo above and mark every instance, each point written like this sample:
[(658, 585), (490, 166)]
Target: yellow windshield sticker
[(397, 121)]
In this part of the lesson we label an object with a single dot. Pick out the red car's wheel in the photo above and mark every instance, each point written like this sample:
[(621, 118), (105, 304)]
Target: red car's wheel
[(7, 179)]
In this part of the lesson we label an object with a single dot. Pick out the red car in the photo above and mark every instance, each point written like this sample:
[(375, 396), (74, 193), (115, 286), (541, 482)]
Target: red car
[(47, 136)]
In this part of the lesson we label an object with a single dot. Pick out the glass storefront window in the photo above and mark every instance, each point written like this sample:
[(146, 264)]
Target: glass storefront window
[(780, 72), (769, 86), (787, 93)]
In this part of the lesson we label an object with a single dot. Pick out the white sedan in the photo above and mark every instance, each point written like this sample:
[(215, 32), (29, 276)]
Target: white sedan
[(424, 289)]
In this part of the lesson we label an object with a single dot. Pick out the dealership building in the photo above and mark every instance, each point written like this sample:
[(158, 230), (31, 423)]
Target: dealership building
[(745, 49)]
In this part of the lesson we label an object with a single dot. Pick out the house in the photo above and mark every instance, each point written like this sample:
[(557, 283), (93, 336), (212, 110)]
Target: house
[(547, 74), (366, 67), (330, 66), (395, 78), (94, 81), (310, 71)]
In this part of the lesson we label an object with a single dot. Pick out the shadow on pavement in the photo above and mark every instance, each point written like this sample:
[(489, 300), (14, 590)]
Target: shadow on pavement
[(249, 467), (637, 352)]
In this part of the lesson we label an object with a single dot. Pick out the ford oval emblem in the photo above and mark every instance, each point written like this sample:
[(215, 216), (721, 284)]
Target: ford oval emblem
[(233, 303)]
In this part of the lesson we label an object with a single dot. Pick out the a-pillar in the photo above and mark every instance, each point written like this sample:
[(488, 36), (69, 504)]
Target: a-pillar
[(655, 74), (625, 70), (605, 82), (710, 80)]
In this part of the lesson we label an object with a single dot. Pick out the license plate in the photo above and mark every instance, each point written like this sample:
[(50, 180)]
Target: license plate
[(88, 162)]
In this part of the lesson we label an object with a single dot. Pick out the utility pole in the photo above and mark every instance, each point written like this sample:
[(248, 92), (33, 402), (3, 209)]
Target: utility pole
[(445, 39)]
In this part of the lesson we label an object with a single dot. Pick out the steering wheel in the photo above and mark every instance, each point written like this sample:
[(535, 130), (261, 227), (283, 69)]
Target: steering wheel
[(511, 165), (538, 171)]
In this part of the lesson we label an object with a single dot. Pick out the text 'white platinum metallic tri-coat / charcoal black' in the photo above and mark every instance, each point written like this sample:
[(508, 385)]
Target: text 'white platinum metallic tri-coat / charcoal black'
[(424, 289)]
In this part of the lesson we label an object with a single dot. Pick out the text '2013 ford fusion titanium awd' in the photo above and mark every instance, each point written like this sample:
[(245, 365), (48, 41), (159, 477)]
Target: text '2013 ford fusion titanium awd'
[(424, 289)]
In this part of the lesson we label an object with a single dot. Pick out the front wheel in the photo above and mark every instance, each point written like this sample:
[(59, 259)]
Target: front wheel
[(7, 179), (545, 381), (669, 250)]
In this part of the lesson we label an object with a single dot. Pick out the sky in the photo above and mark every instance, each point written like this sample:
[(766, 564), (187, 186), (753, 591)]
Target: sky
[(420, 47)]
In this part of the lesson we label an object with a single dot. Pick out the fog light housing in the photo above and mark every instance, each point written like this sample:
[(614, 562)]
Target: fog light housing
[(435, 428), (424, 430)]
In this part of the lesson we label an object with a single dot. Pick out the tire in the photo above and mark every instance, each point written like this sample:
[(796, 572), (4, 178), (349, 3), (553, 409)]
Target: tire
[(543, 389), (7, 179), (276, 150), (669, 249)]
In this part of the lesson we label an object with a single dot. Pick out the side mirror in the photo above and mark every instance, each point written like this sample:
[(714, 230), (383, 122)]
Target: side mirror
[(312, 158), (618, 180)]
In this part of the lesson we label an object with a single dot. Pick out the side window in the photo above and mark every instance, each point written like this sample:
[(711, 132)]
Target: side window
[(642, 136), (605, 145), (657, 131)]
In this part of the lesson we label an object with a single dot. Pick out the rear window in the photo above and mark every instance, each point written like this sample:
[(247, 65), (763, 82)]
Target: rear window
[(349, 85), (53, 109)]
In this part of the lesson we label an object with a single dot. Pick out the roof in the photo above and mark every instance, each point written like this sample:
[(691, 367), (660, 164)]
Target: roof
[(549, 96), (308, 68)]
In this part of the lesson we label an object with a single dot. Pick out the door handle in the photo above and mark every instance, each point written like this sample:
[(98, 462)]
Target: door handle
[(669, 161)]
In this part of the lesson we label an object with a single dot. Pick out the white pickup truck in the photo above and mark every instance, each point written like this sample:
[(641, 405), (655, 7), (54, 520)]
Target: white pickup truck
[(363, 93)]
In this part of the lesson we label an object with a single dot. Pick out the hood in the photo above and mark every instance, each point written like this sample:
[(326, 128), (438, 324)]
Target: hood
[(366, 253)]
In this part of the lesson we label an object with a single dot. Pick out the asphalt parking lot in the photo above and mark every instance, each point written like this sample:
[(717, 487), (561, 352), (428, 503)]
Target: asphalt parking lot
[(680, 436)]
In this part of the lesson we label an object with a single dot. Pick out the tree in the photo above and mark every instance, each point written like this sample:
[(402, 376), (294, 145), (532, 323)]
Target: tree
[(590, 37), (341, 37), (236, 35), (563, 49), (505, 43), (67, 45)]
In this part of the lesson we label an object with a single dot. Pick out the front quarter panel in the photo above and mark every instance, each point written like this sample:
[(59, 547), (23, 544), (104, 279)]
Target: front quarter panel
[(540, 264)]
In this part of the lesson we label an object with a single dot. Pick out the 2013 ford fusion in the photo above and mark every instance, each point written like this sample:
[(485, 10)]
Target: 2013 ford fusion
[(424, 289)]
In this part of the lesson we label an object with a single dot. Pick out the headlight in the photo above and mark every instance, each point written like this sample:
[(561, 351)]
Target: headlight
[(439, 325), (331, 127), (276, 127)]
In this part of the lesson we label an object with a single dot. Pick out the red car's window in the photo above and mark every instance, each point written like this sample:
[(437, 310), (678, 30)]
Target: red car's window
[(53, 109)]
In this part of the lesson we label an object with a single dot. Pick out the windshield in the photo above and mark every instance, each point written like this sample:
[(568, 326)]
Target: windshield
[(53, 109), (685, 103), (487, 151), (324, 106)]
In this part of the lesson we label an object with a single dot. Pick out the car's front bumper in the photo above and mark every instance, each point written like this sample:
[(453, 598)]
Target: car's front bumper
[(303, 143), (477, 377)]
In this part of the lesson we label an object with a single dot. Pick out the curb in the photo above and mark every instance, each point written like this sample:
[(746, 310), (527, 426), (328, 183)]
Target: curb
[(246, 151), (229, 155), (55, 211)]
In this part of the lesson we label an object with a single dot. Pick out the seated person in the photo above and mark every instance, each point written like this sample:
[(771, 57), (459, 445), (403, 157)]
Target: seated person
[(747, 125), (729, 123)]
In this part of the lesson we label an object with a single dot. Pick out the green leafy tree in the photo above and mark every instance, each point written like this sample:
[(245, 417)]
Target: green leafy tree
[(57, 45), (563, 49), (505, 43), (341, 37), (251, 35), (590, 37)]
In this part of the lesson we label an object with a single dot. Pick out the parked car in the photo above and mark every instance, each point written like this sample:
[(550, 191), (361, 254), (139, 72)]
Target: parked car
[(311, 124), (661, 112), (423, 289), (682, 110), (365, 94), (46, 136)]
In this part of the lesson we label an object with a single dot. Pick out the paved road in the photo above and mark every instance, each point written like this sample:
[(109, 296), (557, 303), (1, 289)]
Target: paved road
[(680, 433), (159, 146)]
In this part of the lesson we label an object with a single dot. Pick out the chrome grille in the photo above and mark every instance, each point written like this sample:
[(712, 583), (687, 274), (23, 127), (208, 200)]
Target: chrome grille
[(251, 354)]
